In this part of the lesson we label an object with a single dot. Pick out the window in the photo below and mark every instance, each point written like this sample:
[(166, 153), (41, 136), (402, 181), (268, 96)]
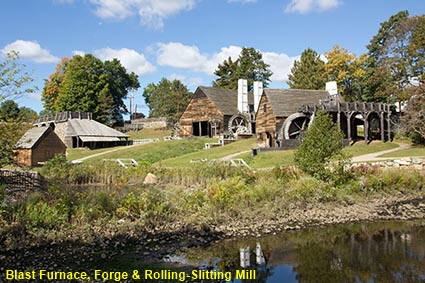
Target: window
[(265, 108)]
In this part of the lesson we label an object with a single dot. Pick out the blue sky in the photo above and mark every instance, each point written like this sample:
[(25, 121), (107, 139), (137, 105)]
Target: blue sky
[(185, 39)]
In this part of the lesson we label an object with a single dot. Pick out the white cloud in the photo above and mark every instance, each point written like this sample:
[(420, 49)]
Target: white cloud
[(178, 55), (305, 6), (30, 50), (130, 59), (280, 64), (35, 96), (151, 12), (78, 52)]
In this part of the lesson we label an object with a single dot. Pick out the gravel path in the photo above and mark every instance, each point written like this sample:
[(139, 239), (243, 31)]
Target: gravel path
[(374, 156), (231, 156), (101, 153)]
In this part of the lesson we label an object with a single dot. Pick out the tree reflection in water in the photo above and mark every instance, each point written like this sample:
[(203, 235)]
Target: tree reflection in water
[(358, 253)]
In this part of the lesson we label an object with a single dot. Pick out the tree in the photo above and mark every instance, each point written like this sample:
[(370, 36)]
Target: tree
[(414, 118), (249, 66), (378, 84), (308, 72), (347, 70), (13, 79), (167, 98), (321, 147), (52, 85), (9, 110), (86, 84)]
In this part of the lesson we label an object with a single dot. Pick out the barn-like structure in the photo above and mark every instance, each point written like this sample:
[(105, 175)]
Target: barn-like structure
[(78, 129), (213, 112), (278, 111), (38, 145)]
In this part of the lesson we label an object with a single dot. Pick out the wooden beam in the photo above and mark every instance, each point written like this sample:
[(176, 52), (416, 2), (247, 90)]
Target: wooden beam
[(382, 127)]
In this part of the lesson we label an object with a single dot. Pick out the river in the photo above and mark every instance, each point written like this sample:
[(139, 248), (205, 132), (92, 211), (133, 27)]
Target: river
[(385, 252)]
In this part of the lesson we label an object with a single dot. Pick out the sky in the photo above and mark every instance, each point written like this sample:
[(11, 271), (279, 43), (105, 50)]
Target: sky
[(185, 39)]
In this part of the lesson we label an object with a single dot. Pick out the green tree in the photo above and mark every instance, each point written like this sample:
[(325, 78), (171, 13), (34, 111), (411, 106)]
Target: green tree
[(378, 84), (320, 152), (9, 110), (249, 66), (27, 114), (13, 79), (308, 72), (86, 84), (52, 85), (347, 70), (167, 98)]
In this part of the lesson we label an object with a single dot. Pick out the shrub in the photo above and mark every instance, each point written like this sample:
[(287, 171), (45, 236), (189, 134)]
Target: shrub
[(320, 154)]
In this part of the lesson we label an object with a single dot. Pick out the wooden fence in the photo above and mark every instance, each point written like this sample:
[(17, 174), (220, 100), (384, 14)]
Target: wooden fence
[(18, 181)]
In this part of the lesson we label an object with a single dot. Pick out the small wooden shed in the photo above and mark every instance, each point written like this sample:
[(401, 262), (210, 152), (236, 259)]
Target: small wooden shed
[(38, 145)]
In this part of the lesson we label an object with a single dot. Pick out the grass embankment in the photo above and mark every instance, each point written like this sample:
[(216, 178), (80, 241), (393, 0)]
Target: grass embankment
[(201, 196), (77, 153), (416, 151), (213, 153), (278, 158), (149, 134), (154, 152)]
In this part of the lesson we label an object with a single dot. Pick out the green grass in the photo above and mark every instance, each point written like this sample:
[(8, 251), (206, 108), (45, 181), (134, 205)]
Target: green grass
[(149, 134), (360, 148), (213, 153), (154, 152), (77, 153), (285, 157), (414, 151)]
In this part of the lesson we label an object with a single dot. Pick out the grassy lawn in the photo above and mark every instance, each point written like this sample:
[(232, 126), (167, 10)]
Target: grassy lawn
[(154, 152), (414, 151), (77, 153), (213, 153), (285, 157), (360, 148), (148, 134)]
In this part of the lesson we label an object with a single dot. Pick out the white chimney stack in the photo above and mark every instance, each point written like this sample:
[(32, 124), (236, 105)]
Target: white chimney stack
[(243, 95), (258, 92), (332, 88)]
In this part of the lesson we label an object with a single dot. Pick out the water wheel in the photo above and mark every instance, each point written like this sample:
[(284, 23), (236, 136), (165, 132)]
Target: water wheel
[(239, 124), (295, 126)]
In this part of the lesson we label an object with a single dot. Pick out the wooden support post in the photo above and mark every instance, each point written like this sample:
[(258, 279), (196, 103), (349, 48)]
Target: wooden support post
[(338, 116), (366, 129), (389, 125), (382, 127), (349, 126)]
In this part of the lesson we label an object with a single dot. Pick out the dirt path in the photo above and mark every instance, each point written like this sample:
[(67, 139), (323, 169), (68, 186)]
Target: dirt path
[(231, 156), (374, 156), (79, 160)]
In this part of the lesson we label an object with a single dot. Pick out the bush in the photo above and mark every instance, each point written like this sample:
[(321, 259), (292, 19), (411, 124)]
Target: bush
[(320, 154)]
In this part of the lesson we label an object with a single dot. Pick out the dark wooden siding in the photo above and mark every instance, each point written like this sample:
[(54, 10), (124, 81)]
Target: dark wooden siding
[(48, 146)]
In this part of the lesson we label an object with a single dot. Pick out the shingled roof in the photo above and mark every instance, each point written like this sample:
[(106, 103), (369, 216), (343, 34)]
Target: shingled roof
[(91, 128), (31, 137), (226, 100), (285, 102)]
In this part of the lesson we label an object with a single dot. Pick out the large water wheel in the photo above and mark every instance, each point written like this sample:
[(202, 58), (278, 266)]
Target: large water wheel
[(295, 126), (239, 124)]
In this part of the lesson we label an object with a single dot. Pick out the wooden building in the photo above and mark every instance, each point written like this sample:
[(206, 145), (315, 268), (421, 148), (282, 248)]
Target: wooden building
[(278, 114), (78, 129), (38, 145), (214, 111)]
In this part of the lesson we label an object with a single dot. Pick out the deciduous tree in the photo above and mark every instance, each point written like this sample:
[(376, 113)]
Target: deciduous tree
[(14, 80), (167, 98)]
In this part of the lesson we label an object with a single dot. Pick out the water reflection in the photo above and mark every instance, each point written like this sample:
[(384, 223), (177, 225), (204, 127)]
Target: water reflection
[(360, 253)]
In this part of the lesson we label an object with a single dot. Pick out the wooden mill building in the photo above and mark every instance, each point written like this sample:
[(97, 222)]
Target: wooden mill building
[(37, 146), (276, 105), (78, 129), (211, 109)]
